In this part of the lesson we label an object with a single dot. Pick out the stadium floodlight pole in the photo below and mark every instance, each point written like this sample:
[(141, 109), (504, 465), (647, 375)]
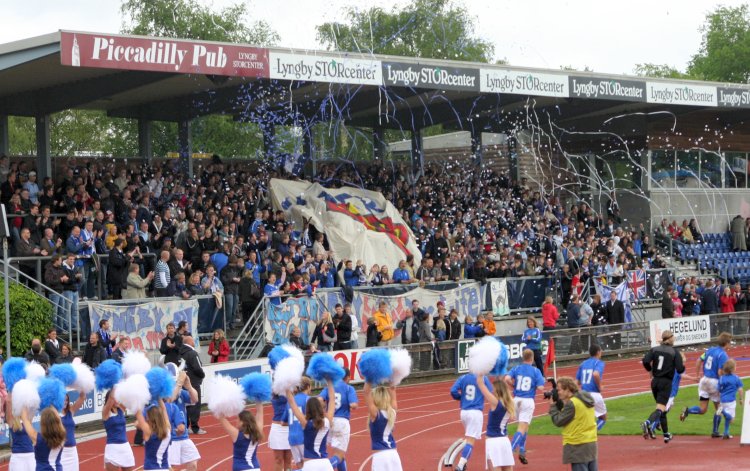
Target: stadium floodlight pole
[(6, 283)]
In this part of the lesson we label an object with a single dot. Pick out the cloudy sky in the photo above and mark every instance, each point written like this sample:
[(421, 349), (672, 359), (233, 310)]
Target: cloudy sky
[(605, 35)]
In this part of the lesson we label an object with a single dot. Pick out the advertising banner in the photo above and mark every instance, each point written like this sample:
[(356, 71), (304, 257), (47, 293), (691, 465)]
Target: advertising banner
[(499, 296), (145, 324), (681, 94), (430, 76), (162, 55), (349, 359), (733, 97), (523, 83), (686, 330), (515, 349), (325, 69), (607, 89)]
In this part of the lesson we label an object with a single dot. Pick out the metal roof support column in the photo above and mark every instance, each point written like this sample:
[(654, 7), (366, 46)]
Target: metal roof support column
[(269, 140), (378, 144), (4, 142), (476, 144), (145, 149), (417, 151), (43, 157), (186, 147)]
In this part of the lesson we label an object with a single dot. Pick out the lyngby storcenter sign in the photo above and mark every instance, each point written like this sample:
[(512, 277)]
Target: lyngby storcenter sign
[(430, 76)]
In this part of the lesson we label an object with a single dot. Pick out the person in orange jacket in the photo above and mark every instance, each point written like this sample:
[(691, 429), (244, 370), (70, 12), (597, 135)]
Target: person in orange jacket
[(488, 322), (384, 323)]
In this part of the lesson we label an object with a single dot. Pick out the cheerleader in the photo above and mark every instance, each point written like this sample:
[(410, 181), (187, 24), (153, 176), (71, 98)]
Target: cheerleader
[(382, 406), (497, 446), (182, 450), (118, 456), (316, 422), (296, 433), (22, 448), (70, 452), (245, 438), (49, 441), (156, 436), (278, 436)]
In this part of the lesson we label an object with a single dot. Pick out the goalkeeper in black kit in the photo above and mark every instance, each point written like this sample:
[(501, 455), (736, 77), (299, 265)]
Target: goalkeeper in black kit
[(662, 362)]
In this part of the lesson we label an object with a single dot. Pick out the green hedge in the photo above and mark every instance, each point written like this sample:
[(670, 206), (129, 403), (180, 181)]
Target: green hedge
[(30, 317)]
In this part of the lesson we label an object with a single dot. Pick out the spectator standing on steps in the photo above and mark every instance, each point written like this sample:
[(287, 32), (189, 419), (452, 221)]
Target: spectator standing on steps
[(170, 345), (161, 275), (194, 370)]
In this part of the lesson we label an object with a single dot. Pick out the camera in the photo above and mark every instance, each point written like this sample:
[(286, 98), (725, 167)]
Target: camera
[(552, 393)]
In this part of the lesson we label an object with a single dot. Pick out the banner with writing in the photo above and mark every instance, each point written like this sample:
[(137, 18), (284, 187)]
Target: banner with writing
[(515, 346), (499, 297), (145, 324)]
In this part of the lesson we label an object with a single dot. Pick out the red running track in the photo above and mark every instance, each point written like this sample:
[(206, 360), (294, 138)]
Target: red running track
[(428, 423)]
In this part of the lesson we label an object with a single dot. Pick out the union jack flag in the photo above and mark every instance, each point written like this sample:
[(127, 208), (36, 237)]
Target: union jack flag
[(637, 283)]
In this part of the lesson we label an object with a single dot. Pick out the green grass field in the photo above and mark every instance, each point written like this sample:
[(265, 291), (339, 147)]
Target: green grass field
[(625, 415)]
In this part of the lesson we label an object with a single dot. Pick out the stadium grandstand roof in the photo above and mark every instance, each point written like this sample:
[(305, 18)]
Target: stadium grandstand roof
[(176, 80)]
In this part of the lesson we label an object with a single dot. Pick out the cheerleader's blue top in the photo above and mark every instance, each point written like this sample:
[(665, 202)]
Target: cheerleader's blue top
[(70, 429), (21, 441), (315, 440), (279, 409), (115, 428), (497, 422), (156, 453), (381, 434), (46, 459), (245, 454)]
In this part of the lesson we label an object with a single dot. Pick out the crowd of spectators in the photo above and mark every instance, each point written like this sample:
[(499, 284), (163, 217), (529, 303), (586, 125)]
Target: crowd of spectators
[(146, 230), (694, 296)]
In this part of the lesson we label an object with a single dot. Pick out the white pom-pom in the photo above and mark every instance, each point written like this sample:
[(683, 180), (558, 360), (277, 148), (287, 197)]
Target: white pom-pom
[(133, 393), (135, 363), (226, 398), (294, 352), (401, 365), (35, 371), (25, 396), (483, 356), (85, 379), (288, 375)]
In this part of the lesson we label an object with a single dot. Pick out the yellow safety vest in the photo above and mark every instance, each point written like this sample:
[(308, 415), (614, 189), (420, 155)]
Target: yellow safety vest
[(582, 429)]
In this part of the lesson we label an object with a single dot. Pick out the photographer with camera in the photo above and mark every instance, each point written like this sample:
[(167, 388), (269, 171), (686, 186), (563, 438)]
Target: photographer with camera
[(573, 410)]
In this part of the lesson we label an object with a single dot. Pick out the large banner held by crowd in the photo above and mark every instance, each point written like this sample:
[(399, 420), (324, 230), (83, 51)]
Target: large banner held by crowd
[(657, 281), (145, 324), (359, 224)]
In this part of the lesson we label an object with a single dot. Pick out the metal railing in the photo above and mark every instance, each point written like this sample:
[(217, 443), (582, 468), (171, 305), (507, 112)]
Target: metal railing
[(252, 338)]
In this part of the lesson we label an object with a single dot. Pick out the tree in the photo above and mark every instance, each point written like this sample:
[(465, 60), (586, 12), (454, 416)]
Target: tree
[(724, 53), (189, 19), (436, 29), (659, 71)]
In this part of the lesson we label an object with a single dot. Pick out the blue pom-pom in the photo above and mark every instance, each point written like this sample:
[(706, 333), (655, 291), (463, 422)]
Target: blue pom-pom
[(108, 374), (161, 384), (322, 366), (64, 372), (14, 370), (501, 365), (276, 355), (51, 393), (375, 365), (257, 386)]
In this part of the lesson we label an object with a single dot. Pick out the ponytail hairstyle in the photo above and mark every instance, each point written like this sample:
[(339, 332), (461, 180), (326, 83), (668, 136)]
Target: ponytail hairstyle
[(502, 393), (51, 428), (381, 397), (249, 427), (314, 412)]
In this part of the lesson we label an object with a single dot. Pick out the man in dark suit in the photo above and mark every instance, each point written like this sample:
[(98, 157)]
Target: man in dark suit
[(615, 315), (194, 370), (117, 271)]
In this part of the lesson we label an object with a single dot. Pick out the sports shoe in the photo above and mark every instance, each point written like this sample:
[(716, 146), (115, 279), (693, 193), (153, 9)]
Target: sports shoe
[(522, 458), (727, 437), (647, 432), (667, 437), (715, 435), (200, 431), (684, 414)]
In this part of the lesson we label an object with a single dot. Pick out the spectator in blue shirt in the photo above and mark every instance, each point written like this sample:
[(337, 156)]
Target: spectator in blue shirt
[(401, 274), (351, 274), (532, 337), (272, 290)]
